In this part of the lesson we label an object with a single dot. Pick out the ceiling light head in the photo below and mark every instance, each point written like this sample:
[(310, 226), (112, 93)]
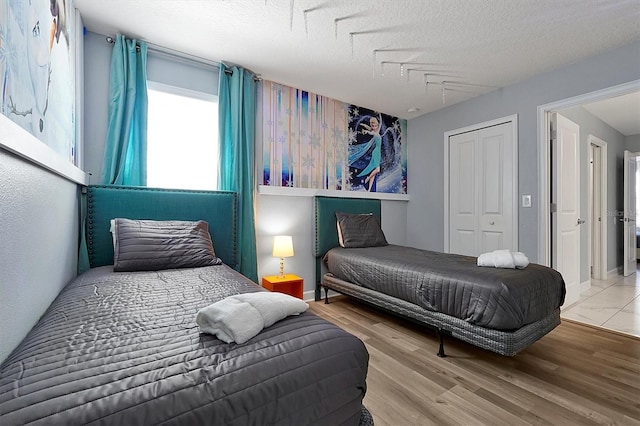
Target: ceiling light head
[(414, 109)]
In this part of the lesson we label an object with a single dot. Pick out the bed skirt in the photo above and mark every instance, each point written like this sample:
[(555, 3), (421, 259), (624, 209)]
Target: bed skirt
[(506, 343)]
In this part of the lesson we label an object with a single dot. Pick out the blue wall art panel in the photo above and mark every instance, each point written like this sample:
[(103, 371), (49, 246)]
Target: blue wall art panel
[(37, 70), (311, 141)]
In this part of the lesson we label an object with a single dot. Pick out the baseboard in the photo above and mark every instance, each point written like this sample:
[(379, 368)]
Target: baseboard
[(585, 285), (573, 294), (614, 272)]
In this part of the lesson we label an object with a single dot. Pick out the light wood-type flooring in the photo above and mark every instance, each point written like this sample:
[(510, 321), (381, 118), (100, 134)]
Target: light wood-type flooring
[(576, 375)]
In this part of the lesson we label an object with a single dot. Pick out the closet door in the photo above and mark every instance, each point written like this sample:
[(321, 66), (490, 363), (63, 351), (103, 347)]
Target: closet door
[(463, 195), (481, 187), (496, 184)]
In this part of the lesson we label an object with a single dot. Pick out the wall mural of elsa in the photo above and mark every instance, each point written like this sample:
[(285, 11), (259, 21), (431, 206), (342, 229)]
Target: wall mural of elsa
[(311, 141), (375, 152), (37, 70)]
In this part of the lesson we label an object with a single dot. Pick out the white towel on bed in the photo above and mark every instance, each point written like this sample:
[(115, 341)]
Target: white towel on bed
[(503, 259), (521, 259), (240, 317)]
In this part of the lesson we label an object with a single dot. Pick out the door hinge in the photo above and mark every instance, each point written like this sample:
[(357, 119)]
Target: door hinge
[(553, 134), (554, 207)]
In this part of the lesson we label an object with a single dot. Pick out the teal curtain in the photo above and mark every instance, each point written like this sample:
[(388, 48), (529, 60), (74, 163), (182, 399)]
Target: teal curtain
[(125, 155), (236, 121)]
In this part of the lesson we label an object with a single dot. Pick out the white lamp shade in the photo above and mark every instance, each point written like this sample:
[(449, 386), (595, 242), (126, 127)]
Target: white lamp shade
[(282, 246)]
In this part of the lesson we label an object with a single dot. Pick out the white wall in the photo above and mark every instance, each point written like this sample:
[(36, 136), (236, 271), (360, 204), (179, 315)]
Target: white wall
[(293, 215), (38, 244)]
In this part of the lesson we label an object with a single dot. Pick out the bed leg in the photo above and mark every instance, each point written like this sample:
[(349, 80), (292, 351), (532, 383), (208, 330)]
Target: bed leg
[(441, 334), (326, 296)]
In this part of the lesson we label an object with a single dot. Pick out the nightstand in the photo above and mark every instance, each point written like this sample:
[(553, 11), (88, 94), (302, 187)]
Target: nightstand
[(290, 284)]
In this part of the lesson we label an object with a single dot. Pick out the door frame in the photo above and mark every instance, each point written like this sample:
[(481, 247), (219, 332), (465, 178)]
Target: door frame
[(601, 204), (544, 162), (513, 119)]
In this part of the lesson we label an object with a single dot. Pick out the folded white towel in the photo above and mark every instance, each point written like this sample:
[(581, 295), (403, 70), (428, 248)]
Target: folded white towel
[(503, 259), (240, 317), (521, 260)]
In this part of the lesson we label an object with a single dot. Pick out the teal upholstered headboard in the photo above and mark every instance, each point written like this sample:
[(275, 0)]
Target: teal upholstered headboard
[(218, 208), (326, 232)]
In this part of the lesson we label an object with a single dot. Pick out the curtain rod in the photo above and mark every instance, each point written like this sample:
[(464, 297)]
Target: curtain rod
[(175, 53)]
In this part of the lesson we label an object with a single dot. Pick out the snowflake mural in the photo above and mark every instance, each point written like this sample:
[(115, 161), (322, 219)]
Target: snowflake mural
[(310, 141)]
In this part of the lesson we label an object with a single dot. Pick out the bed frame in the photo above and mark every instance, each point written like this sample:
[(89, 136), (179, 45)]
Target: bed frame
[(105, 202), (506, 343)]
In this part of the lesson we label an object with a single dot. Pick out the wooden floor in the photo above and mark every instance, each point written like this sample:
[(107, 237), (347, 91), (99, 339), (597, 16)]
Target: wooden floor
[(574, 375)]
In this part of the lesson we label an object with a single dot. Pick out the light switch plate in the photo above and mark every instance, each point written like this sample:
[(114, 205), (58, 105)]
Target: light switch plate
[(526, 201)]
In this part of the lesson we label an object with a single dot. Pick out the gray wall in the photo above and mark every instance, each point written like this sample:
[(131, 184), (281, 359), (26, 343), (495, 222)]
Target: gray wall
[(160, 68), (276, 214), (38, 244), (291, 215), (592, 125), (632, 143), (426, 143), (97, 63)]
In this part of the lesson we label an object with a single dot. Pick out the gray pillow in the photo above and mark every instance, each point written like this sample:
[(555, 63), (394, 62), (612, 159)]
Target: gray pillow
[(359, 230), (151, 245)]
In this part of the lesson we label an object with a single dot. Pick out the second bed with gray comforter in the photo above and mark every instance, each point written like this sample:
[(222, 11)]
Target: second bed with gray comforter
[(500, 299)]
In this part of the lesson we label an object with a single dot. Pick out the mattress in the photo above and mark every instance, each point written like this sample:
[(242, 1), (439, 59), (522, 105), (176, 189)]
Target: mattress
[(500, 299), (123, 348)]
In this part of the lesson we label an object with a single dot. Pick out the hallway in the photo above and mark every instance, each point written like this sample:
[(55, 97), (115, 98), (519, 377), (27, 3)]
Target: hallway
[(612, 304)]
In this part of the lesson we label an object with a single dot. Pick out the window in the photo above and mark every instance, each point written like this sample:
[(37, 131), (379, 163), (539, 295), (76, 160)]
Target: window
[(182, 138)]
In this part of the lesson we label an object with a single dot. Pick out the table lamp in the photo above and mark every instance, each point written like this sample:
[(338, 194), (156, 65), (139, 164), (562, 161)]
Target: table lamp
[(282, 247)]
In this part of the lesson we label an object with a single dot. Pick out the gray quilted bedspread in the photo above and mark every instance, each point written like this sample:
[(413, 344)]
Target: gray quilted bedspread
[(501, 299), (124, 349)]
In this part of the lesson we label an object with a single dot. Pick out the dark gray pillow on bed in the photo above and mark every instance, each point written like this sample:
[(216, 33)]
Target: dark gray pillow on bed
[(151, 245), (359, 230)]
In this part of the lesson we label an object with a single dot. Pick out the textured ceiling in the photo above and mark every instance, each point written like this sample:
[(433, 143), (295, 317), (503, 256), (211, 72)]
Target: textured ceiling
[(353, 50)]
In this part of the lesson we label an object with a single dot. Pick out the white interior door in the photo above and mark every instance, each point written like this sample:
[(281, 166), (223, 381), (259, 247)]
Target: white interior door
[(496, 185), (629, 216), (463, 196), (482, 180), (595, 195), (566, 219)]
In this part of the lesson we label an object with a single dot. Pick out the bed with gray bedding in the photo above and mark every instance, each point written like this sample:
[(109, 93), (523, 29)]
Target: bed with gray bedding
[(502, 310), (124, 348), (501, 299)]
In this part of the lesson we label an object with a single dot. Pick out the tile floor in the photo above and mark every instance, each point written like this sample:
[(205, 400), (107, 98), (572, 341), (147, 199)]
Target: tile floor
[(613, 304)]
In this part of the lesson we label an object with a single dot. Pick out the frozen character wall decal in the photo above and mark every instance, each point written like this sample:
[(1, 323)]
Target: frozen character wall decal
[(375, 152), (37, 74), (311, 141), (370, 151)]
